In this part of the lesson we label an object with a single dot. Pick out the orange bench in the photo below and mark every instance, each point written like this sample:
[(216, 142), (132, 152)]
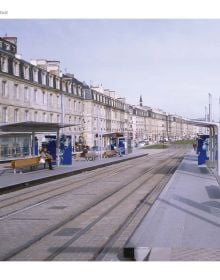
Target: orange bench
[(25, 162), (109, 153)]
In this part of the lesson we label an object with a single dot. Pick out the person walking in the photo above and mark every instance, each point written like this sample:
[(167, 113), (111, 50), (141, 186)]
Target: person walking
[(194, 146)]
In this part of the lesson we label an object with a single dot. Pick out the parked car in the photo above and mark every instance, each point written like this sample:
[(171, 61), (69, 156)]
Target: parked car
[(142, 143)]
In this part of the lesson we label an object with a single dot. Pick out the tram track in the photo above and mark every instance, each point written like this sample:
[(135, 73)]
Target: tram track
[(106, 251), (92, 205), (99, 255), (26, 196), (69, 184)]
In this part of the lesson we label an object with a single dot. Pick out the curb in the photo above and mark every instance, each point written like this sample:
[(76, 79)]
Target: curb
[(25, 184)]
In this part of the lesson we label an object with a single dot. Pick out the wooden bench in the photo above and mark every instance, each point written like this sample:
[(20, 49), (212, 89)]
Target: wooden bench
[(25, 162), (108, 154)]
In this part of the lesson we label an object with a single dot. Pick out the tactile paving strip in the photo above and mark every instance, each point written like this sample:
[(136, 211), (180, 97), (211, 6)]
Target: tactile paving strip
[(184, 254), (180, 254)]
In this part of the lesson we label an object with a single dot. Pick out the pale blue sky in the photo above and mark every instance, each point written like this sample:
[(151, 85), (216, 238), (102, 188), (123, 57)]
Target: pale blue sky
[(172, 63)]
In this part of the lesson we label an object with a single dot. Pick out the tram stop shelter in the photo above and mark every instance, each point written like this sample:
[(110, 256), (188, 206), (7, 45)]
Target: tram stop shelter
[(214, 142), (30, 127)]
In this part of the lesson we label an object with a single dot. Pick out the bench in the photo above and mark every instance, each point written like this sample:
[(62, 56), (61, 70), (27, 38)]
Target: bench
[(108, 154), (77, 155), (25, 162), (90, 156)]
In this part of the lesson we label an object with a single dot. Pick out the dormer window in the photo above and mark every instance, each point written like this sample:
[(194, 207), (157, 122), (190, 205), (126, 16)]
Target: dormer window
[(16, 68), (4, 64), (69, 87), (35, 75), (26, 72), (57, 84), (43, 78), (51, 81)]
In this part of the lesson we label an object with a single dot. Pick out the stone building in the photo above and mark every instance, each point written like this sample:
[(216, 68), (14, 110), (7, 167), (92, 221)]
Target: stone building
[(38, 91)]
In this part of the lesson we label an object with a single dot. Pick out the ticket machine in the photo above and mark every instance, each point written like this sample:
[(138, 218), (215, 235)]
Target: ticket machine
[(202, 148)]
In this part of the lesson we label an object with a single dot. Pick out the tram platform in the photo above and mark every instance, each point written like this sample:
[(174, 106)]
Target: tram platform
[(11, 181), (184, 223)]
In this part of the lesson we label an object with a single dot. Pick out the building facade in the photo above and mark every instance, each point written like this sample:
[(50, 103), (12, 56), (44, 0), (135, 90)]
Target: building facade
[(38, 91)]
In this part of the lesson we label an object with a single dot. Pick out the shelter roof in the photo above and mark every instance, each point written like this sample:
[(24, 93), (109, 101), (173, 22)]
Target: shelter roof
[(203, 123), (30, 126)]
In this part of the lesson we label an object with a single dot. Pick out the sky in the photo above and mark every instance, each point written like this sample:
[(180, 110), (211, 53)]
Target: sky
[(172, 63)]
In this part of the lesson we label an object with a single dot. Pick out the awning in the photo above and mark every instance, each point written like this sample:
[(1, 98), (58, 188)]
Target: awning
[(33, 127)]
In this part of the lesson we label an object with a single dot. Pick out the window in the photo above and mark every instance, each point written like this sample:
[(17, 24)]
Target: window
[(35, 95), (16, 91), (4, 114), (35, 116), (51, 118), (16, 68), (35, 75), (26, 72), (51, 81), (80, 91), (58, 101), (74, 90), (58, 118), (26, 93), (44, 117), (4, 89), (57, 84), (4, 64), (26, 115), (63, 85), (43, 78), (7, 47), (44, 98), (69, 88), (51, 99), (16, 116)]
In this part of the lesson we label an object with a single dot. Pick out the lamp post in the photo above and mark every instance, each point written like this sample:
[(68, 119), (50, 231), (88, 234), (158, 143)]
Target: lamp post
[(210, 107), (99, 132), (219, 108)]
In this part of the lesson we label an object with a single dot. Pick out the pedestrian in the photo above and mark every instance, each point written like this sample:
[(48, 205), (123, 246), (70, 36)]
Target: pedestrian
[(120, 151), (194, 146), (45, 155)]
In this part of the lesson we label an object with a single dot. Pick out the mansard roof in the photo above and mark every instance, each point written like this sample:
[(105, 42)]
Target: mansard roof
[(74, 80)]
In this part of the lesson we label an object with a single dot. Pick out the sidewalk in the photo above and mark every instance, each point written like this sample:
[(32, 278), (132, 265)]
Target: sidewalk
[(9, 180), (184, 222)]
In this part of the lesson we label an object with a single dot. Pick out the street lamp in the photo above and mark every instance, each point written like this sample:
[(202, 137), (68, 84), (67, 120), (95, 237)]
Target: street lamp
[(210, 107), (219, 108)]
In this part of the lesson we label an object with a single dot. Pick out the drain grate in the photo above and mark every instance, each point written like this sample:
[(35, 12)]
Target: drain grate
[(67, 232), (58, 207), (29, 219)]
